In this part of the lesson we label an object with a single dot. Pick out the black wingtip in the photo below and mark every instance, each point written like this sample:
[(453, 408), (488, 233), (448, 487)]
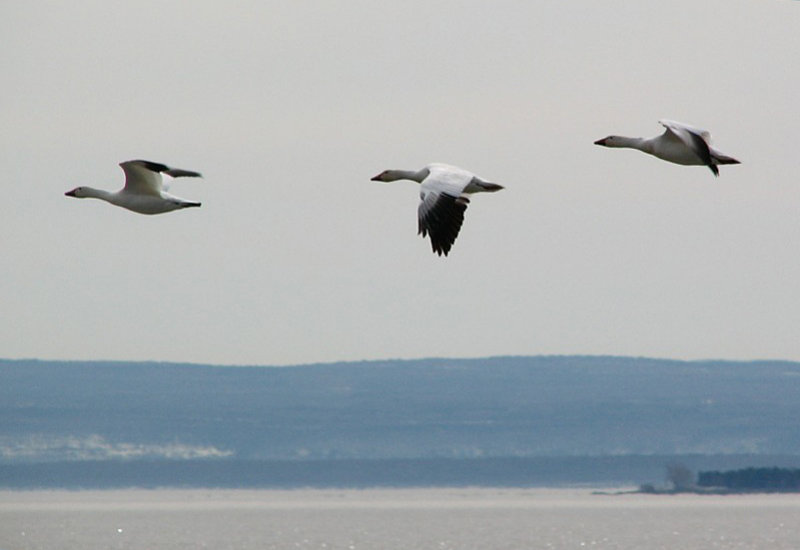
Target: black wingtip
[(163, 168), (442, 249), (178, 173), (153, 166)]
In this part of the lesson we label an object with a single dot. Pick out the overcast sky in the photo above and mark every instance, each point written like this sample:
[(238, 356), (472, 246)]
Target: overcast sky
[(288, 108)]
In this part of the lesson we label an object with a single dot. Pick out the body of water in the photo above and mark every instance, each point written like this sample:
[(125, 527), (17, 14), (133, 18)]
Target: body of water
[(407, 519)]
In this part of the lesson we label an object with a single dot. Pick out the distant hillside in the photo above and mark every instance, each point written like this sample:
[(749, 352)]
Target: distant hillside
[(432, 408), (615, 471), (773, 480)]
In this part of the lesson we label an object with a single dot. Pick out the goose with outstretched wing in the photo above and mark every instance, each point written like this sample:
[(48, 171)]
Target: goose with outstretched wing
[(144, 191), (680, 143), (443, 199)]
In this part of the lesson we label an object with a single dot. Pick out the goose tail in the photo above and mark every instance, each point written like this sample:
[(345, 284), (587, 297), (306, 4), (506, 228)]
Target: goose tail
[(490, 187), (724, 159)]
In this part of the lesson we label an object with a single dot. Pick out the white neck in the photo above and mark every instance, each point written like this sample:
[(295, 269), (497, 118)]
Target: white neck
[(413, 175), (642, 144), (108, 196)]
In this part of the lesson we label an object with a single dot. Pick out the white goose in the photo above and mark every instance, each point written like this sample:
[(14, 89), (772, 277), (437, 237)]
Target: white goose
[(443, 193), (144, 191), (680, 143)]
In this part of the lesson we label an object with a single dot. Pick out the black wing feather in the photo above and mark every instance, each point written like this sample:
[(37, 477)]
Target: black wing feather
[(443, 222), (703, 151), (174, 172)]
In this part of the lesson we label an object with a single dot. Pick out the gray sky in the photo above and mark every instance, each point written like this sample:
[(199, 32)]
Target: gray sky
[(288, 108)]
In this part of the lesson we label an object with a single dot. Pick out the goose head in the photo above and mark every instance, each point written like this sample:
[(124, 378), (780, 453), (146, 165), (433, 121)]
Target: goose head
[(610, 141), (84, 192), (78, 192), (384, 176)]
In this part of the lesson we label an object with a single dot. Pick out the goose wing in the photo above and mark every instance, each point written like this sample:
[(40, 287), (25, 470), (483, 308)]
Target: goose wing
[(677, 126), (143, 177), (696, 139), (440, 215)]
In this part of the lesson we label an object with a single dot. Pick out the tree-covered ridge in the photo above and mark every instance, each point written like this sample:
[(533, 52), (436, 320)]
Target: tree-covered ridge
[(753, 479)]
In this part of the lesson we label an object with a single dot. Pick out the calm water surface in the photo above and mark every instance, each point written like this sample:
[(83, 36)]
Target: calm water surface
[(407, 519)]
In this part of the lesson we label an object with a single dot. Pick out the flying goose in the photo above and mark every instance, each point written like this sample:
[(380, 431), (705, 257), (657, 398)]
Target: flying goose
[(143, 191), (680, 143), (443, 197)]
